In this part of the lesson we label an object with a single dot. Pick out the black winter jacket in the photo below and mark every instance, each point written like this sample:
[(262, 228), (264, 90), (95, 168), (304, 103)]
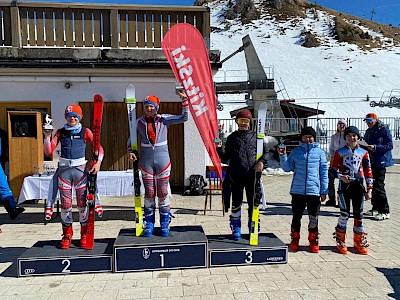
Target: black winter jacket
[(241, 150)]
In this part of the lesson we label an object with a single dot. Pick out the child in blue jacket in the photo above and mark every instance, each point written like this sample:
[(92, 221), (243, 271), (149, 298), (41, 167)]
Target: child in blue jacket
[(309, 185)]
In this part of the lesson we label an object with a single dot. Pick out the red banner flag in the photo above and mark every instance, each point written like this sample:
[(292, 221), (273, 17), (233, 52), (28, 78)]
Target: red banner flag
[(187, 54)]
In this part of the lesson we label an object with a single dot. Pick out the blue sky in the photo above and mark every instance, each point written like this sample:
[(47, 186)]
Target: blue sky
[(145, 2), (384, 11)]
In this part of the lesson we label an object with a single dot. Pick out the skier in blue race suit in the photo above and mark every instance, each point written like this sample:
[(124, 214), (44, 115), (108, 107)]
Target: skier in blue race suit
[(7, 198), (155, 162)]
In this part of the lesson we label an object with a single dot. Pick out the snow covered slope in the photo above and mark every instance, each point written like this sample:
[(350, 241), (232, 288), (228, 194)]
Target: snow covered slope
[(335, 77)]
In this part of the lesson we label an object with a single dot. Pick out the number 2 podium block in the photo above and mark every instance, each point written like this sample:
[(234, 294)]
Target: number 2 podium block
[(47, 258), (224, 251), (184, 248)]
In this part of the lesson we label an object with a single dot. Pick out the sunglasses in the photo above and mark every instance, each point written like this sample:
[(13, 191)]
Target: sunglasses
[(369, 120), (243, 121)]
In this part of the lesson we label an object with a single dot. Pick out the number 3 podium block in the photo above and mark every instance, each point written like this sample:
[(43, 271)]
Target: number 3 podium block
[(226, 252), (47, 258), (184, 248)]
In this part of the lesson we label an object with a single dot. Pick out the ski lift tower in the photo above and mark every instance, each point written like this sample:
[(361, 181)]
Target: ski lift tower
[(259, 86), (264, 90)]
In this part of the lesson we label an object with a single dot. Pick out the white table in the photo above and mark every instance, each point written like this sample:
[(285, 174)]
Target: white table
[(109, 183)]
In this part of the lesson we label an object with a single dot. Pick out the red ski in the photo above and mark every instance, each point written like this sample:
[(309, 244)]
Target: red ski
[(92, 178)]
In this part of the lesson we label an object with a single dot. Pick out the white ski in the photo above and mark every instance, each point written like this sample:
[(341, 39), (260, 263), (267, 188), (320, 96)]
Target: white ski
[(262, 112), (130, 101)]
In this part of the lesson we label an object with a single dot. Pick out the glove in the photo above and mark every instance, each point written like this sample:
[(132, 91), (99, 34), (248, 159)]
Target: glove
[(99, 210), (48, 213), (185, 102)]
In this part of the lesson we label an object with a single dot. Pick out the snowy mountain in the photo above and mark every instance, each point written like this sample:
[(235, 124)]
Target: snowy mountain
[(336, 77)]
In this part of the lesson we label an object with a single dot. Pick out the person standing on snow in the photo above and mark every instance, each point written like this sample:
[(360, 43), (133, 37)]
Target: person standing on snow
[(337, 142), (309, 185), (380, 145), (155, 163), (241, 150), (72, 171), (351, 165)]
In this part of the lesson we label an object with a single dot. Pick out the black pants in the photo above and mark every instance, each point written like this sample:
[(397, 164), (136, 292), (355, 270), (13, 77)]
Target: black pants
[(331, 188), (226, 192), (351, 194), (237, 187), (379, 200), (299, 203)]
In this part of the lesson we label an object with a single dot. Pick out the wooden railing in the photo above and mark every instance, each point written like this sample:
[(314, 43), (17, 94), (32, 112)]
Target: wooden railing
[(36, 24)]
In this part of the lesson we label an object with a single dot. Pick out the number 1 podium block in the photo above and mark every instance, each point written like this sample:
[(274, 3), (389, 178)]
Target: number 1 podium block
[(184, 248), (47, 258), (226, 252)]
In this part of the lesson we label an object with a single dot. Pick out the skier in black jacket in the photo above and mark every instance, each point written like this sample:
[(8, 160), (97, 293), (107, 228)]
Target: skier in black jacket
[(240, 150)]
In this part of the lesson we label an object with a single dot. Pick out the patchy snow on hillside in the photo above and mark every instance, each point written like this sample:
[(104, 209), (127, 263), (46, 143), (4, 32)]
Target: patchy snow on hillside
[(334, 77)]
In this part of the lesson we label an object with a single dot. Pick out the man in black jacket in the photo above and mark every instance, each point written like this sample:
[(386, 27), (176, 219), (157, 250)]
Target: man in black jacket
[(240, 150)]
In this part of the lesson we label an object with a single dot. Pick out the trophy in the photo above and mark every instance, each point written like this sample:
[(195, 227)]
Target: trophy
[(36, 174), (47, 127)]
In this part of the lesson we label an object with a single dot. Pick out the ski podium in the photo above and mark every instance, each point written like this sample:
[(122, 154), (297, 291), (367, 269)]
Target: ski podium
[(47, 258), (256, 247), (184, 247)]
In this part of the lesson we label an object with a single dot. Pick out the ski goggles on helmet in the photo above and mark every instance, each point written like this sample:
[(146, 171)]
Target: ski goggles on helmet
[(243, 121), (369, 120)]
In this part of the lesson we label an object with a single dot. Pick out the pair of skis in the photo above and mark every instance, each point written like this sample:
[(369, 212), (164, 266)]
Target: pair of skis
[(130, 100), (92, 178), (258, 188)]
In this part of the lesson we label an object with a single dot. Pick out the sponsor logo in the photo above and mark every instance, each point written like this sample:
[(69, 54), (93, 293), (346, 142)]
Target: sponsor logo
[(185, 70), (29, 271), (275, 258), (146, 253)]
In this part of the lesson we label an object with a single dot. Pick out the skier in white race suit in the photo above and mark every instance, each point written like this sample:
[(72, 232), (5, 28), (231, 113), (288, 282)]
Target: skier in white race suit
[(71, 172), (155, 162)]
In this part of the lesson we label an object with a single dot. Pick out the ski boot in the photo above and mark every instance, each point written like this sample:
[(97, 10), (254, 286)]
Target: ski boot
[(48, 213), (67, 236), (294, 243), (360, 242), (165, 220), (83, 235), (313, 239), (249, 224), (149, 223), (235, 224), (13, 210), (340, 236)]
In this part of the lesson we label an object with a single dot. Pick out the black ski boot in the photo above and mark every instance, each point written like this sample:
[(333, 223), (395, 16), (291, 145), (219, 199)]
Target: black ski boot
[(12, 212)]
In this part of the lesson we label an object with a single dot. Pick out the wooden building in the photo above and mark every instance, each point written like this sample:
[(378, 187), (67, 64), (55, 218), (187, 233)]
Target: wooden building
[(55, 54)]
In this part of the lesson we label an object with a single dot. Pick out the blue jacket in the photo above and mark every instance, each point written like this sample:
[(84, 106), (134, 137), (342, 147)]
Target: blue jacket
[(310, 167), (380, 136)]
